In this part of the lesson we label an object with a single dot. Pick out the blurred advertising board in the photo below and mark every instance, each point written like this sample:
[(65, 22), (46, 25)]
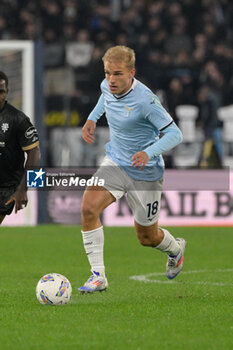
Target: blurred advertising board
[(190, 198)]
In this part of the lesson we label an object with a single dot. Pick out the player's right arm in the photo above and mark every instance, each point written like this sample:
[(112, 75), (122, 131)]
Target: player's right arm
[(88, 131), (89, 127)]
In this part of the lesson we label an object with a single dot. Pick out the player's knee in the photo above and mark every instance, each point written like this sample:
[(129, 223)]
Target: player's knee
[(88, 210)]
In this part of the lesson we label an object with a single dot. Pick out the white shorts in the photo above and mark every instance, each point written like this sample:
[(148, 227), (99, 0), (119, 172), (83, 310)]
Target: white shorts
[(143, 197)]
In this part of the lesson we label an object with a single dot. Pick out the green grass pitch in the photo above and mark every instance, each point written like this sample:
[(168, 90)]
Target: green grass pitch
[(194, 311)]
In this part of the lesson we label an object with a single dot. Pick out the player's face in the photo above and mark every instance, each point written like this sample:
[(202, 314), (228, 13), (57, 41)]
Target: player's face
[(119, 77), (3, 93)]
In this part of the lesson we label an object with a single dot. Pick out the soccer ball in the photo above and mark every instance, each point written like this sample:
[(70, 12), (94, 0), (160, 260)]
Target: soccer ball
[(53, 289)]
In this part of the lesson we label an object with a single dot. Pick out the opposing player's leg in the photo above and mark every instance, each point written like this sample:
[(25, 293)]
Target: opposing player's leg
[(95, 200), (5, 194), (1, 218)]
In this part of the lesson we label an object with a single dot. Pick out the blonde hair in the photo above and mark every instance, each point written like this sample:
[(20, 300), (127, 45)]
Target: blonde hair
[(120, 54)]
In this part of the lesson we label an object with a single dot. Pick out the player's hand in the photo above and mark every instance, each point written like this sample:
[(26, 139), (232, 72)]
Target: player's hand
[(20, 198), (88, 131), (140, 159)]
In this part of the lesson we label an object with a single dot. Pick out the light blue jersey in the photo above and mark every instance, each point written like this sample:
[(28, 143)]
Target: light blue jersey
[(135, 121)]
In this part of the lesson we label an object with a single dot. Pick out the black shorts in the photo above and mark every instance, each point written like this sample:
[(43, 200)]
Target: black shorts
[(5, 194)]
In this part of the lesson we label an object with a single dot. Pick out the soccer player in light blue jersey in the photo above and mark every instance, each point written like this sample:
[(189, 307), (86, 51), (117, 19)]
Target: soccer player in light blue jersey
[(133, 165)]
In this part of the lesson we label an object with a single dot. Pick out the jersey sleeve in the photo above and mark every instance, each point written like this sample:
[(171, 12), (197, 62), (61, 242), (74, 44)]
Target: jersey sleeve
[(98, 111), (156, 113), (172, 136), (27, 134)]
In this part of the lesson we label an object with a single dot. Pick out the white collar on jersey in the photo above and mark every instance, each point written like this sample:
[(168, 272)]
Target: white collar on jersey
[(127, 92)]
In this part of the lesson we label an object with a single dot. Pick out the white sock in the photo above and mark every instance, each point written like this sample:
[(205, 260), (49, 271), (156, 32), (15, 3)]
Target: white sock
[(94, 246), (168, 244)]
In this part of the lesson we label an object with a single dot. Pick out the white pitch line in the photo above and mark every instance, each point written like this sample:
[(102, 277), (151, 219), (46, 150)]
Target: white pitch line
[(144, 278)]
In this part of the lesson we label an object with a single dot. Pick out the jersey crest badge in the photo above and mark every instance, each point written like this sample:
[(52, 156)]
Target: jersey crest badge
[(5, 127), (128, 110)]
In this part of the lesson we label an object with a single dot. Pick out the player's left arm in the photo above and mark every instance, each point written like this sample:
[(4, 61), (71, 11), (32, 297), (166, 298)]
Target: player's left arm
[(172, 136), (20, 195), (163, 122)]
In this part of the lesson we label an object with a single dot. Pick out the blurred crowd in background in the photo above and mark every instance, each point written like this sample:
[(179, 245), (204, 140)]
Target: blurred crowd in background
[(184, 48)]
